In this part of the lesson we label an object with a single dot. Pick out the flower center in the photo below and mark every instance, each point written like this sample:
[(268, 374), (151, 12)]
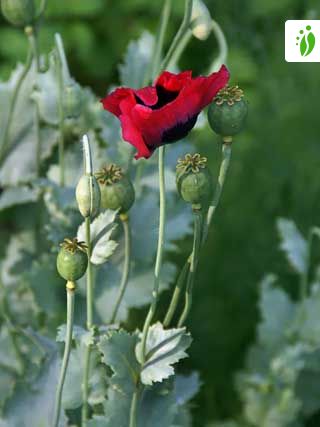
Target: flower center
[(229, 94), (110, 174), (164, 97), (179, 131), (73, 245), (192, 163)]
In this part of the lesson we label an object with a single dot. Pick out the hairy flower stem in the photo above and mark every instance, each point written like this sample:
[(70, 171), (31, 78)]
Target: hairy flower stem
[(197, 215), (184, 27), (67, 349), (134, 407), (86, 371), (126, 267), (158, 265)]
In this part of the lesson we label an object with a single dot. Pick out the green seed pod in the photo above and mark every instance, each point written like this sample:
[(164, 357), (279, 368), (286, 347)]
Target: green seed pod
[(228, 111), (19, 13), (117, 191), (72, 260), (72, 100), (194, 181), (88, 196)]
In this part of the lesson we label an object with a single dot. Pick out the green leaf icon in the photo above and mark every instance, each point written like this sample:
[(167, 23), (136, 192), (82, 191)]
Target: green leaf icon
[(307, 44)]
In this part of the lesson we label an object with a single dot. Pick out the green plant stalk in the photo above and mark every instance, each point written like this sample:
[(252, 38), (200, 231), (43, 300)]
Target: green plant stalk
[(66, 355), (126, 267), (224, 167), (158, 265), (305, 275), (184, 27), (63, 75), (15, 95), (222, 45), (181, 48), (42, 9), (176, 294), (134, 407), (86, 371), (197, 215), (155, 61), (32, 36)]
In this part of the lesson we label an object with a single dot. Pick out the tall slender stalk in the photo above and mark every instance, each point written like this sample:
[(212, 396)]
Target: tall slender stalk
[(176, 294), (197, 234), (15, 95), (158, 265), (134, 408), (86, 371), (126, 267), (165, 15), (222, 45), (67, 349), (184, 27), (224, 166), (63, 75)]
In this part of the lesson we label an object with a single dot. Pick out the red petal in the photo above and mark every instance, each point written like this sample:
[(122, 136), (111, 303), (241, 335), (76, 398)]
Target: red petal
[(148, 95), (174, 82), (132, 135), (112, 102)]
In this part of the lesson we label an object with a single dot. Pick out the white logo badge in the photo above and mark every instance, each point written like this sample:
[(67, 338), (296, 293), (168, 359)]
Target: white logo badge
[(302, 40)]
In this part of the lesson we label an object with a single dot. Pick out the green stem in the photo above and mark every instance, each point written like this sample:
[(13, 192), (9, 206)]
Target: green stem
[(165, 15), (158, 265), (222, 46), (305, 275), (15, 95), (66, 355), (184, 27), (89, 275), (85, 387), (134, 407), (197, 214), (181, 47), (225, 162), (126, 267), (63, 75), (86, 370), (42, 9), (176, 294)]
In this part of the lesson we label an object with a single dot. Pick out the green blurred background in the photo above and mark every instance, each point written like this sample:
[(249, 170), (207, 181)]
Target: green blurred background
[(275, 169)]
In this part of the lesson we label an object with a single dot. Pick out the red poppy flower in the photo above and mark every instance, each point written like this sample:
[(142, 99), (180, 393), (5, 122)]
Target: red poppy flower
[(163, 113)]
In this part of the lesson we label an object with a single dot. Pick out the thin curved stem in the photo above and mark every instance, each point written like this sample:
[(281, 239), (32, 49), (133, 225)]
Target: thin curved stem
[(15, 95), (222, 46), (184, 27), (86, 370), (165, 15), (66, 355), (176, 294), (126, 267), (224, 167), (42, 8), (197, 215), (158, 265), (134, 407)]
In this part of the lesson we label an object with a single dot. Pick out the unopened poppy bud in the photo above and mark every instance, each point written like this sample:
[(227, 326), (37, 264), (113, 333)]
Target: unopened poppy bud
[(72, 259), (19, 13), (201, 21), (194, 181), (117, 191), (72, 100), (228, 111), (88, 196)]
